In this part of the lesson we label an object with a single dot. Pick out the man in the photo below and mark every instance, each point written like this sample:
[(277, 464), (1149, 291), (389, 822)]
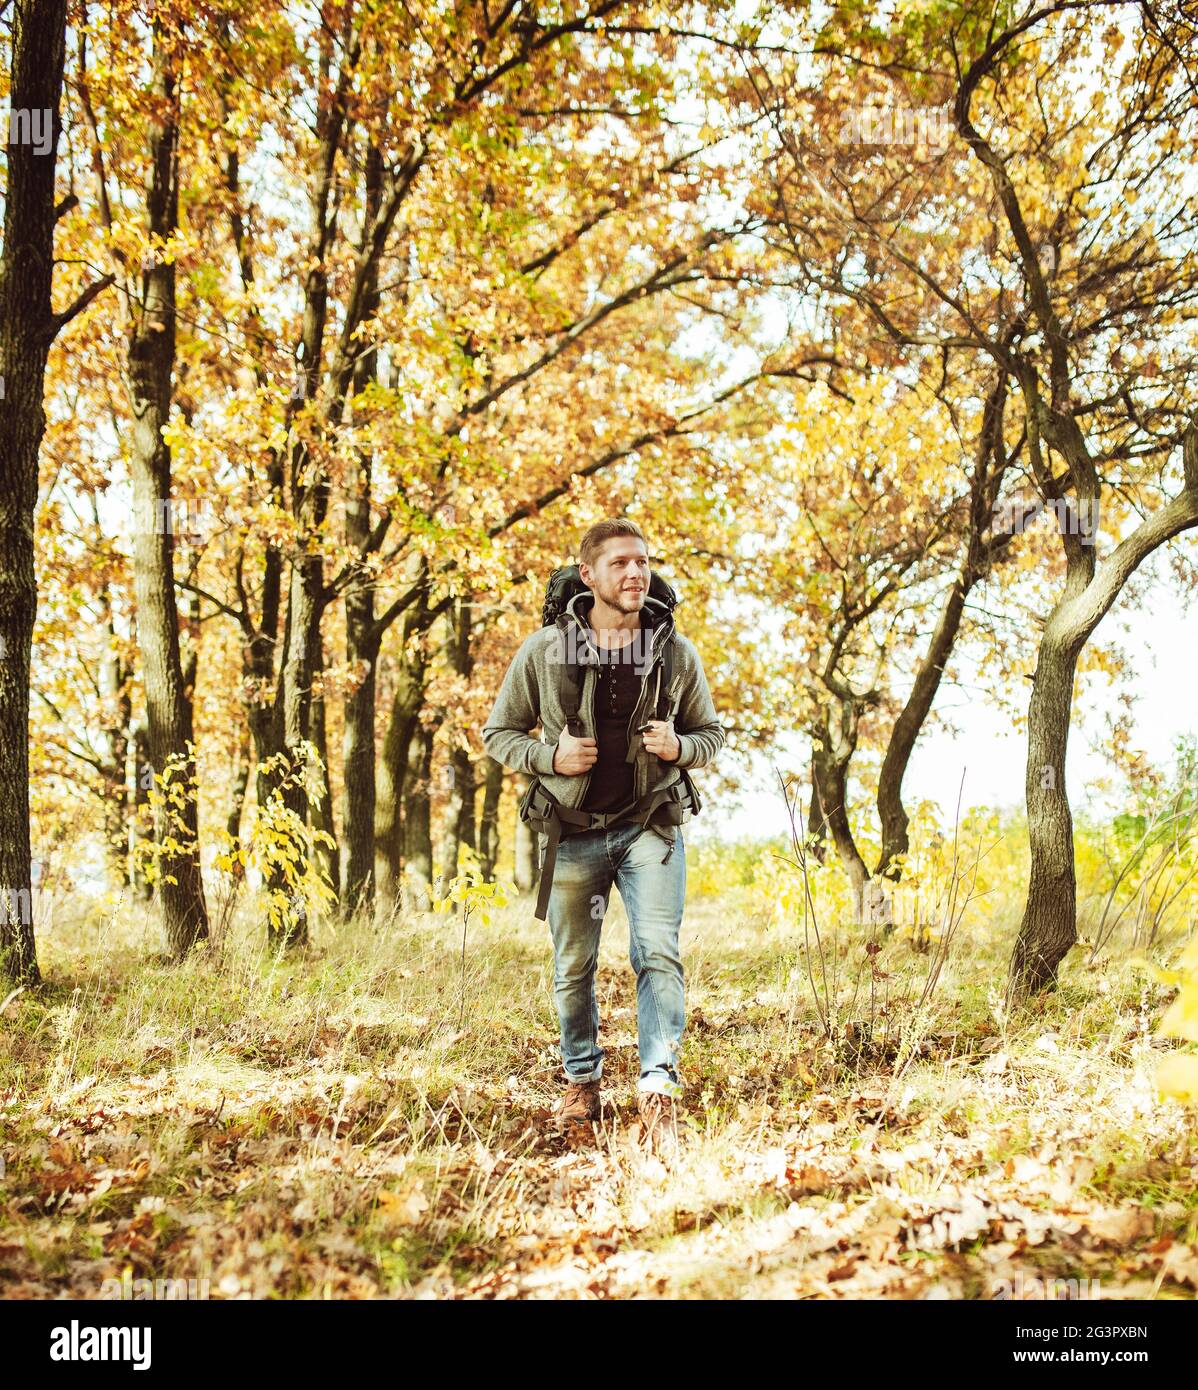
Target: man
[(619, 769)]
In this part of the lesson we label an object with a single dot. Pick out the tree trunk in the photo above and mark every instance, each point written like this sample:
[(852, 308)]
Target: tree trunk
[(417, 819), (362, 642), (817, 826), (488, 825), (526, 870), (238, 786), (26, 331), (137, 799), (911, 719), (459, 816), (304, 607), (149, 369), (262, 679), (984, 545), (1049, 926), (116, 716), (306, 595), (831, 771), (358, 803), (306, 598), (321, 811), (261, 651), (405, 711)]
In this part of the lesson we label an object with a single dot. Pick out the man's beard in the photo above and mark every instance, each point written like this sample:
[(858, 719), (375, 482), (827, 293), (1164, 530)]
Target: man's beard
[(621, 600)]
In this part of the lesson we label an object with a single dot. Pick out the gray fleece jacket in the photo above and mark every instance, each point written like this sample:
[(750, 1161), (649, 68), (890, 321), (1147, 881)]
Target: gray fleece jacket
[(531, 692)]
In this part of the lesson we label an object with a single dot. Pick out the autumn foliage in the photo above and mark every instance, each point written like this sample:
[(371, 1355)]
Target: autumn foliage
[(325, 332)]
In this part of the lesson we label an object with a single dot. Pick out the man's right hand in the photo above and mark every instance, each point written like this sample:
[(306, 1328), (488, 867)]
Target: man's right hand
[(574, 756)]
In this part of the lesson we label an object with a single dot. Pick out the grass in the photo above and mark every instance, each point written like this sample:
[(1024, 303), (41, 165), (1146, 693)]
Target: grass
[(319, 1125)]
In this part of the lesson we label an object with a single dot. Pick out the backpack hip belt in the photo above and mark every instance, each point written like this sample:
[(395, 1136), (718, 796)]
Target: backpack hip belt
[(540, 810)]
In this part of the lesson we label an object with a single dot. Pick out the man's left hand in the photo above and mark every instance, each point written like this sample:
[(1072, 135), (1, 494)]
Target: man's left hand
[(660, 738)]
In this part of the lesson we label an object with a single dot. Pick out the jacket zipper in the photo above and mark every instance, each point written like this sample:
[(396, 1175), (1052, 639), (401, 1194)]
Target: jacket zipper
[(590, 682), (638, 791), (591, 678)]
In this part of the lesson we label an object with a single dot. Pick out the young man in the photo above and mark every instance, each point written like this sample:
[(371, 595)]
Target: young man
[(617, 771)]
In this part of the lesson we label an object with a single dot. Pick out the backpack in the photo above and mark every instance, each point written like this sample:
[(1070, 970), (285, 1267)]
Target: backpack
[(565, 584)]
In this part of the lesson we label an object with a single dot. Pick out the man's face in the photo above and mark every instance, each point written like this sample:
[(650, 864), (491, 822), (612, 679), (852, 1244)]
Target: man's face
[(620, 574)]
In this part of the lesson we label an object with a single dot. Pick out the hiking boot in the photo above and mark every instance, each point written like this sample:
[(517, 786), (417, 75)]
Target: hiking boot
[(580, 1103), (661, 1125)]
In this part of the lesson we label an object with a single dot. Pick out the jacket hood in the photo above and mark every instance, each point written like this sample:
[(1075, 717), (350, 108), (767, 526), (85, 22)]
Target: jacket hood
[(654, 614)]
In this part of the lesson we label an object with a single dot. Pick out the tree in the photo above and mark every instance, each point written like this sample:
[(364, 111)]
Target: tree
[(149, 374), (1096, 278), (884, 521), (28, 326), (1074, 294)]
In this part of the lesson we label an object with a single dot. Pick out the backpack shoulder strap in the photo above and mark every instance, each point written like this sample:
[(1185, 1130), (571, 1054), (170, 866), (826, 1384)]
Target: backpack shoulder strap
[(667, 679), (573, 674)]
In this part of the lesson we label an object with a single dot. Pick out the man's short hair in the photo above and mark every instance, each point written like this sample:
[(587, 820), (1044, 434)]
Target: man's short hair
[(602, 531)]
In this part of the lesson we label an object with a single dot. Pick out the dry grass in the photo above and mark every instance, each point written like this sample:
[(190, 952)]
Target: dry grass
[(320, 1125)]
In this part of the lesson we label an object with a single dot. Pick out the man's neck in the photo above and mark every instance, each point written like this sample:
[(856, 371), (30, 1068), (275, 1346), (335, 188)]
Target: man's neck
[(612, 628)]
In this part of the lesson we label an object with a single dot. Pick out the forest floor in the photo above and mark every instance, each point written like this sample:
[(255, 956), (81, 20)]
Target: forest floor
[(362, 1120)]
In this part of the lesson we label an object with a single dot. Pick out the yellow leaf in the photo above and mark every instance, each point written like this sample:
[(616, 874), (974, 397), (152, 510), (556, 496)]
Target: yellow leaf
[(1181, 1017), (1177, 1076)]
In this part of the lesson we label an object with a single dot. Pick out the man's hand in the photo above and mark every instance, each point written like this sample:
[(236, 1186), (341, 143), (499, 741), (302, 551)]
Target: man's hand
[(573, 756), (661, 739)]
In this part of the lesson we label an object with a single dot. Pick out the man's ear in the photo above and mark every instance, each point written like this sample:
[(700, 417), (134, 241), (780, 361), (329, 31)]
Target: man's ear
[(584, 573)]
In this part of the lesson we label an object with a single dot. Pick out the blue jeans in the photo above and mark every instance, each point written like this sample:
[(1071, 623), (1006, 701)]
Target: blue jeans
[(653, 892)]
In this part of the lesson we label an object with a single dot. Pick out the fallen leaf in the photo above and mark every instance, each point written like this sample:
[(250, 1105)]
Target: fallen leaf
[(405, 1208)]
